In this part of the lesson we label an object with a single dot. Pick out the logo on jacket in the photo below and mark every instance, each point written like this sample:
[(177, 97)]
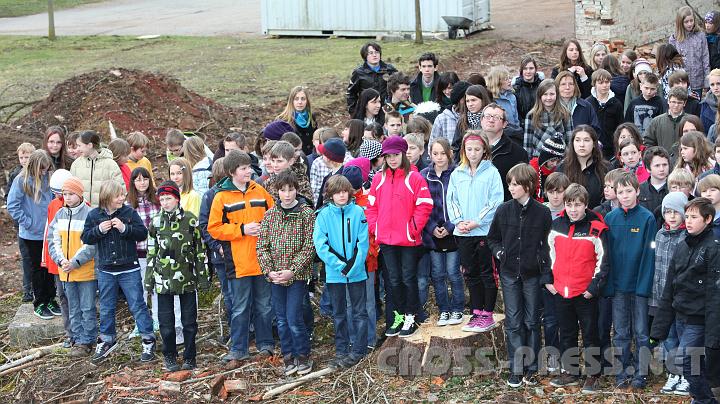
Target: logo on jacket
[(634, 230)]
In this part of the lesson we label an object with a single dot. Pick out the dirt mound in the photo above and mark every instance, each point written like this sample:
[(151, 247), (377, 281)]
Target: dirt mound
[(132, 100)]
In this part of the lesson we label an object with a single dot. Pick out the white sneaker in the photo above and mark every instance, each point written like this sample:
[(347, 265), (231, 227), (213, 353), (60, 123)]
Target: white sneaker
[(443, 319), (670, 384), (682, 388), (456, 317), (553, 364)]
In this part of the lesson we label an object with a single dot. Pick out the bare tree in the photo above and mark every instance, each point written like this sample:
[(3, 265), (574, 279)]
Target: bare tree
[(51, 21), (418, 24)]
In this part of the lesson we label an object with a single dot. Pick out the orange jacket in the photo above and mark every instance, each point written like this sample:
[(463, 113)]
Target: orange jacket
[(231, 210), (47, 262)]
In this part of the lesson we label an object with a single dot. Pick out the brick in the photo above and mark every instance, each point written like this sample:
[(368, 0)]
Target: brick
[(217, 384), (233, 386), (179, 376), (169, 388)]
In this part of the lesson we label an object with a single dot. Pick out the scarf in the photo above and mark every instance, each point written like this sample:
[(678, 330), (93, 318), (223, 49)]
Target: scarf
[(569, 105), (474, 119), (302, 119)]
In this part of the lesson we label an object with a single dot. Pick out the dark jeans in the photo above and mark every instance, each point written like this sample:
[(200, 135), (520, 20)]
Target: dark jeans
[(62, 299), (571, 313), (251, 298), (43, 283), (188, 315), (476, 258), (356, 290), (26, 267), (402, 267), (630, 319), (522, 321), (423, 277), (287, 302), (551, 329), (604, 325), (225, 289), (692, 342), (386, 290)]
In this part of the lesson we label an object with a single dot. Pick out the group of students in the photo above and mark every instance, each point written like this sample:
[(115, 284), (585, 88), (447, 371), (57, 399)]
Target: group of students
[(549, 188)]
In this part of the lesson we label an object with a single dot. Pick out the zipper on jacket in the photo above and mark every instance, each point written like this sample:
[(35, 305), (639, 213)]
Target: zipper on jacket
[(67, 276), (342, 213), (92, 171)]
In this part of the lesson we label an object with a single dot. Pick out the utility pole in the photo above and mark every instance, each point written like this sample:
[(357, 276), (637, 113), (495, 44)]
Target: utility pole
[(418, 24), (51, 21)]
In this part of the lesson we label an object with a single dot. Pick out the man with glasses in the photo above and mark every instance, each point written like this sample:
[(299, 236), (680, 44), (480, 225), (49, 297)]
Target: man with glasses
[(663, 129), (369, 74), (505, 152)]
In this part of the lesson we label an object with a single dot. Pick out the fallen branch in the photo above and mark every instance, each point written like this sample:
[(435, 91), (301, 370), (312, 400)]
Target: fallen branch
[(289, 386), (21, 361), (57, 396), (44, 349), (19, 368)]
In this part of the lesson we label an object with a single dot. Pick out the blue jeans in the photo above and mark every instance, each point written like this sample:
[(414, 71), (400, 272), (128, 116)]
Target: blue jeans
[(356, 290), (691, 346), (550, 323), (225, 289), (522, 321), (446, 267), (371, 313), (630, 318), (423, 278), (82, 312), (131, 285), (401, 263), (605, 312), (287, 302), (251, 293), (671, 342)]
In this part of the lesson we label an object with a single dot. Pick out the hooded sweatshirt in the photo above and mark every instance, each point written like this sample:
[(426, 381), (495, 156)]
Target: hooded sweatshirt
[(30, 215), (474, 197), (340, 237), (95, 171)]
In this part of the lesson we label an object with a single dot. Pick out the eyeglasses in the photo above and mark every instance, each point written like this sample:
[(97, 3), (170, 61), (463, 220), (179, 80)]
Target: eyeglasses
[(674, 102), (371, 53), (491, 117)]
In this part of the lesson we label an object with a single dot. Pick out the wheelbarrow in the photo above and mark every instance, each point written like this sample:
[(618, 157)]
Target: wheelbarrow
[(456, 23)]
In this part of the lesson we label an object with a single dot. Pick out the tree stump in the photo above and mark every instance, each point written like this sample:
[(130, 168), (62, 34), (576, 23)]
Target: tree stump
[(444, 351)]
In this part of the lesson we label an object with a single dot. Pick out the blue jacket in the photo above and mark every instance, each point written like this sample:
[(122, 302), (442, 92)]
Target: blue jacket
[(116, 251), (716, 227), (438, 190), (212, 244), (474, 197), (584, 114), (632, 258), (508, 102), (31, 216), (341, 240), (708, 109)]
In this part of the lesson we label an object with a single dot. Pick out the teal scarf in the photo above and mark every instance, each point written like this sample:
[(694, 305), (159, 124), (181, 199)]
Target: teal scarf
[(302, 119)]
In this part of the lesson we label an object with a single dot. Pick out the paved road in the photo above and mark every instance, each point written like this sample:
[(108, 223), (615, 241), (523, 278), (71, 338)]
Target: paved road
[(549, 19)]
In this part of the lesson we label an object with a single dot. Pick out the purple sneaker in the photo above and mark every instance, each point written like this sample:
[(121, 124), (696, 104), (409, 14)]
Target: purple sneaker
[(474, 324), (487, 322)]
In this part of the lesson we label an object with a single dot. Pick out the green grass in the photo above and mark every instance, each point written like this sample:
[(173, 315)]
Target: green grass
[(17, 8), (232, 71)]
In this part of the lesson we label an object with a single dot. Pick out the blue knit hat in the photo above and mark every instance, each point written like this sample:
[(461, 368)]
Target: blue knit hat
[(354, 175), (334, 149)]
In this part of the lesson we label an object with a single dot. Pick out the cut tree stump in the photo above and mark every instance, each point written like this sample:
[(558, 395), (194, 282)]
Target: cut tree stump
[(444, 351)]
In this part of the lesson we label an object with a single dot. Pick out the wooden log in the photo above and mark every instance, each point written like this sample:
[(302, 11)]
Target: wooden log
[(297, 382), (444, 351), (21, 361), (44, 349)]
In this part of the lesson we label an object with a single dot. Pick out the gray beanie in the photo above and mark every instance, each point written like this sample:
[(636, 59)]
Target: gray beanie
[(675, 201)]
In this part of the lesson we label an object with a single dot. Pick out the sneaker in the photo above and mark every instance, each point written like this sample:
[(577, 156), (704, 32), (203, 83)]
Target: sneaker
[(530, 378), (103, 350), (409, 326), (350, 361), (189, 364), (304, 365), (473, 325), (682, 388), (456, 317), (623, 384), (564, 380), (148, 350), (396, 326), (79, 351), (68, 343), (233, 356), (514, 381), (443, 319), (336, 363), (265, 352), (670, 384), (487, 322), (638, 384), (135, 333), (54, 308), (290, 365), (171, 364), (43, 312), (591, 385), (27, 298)]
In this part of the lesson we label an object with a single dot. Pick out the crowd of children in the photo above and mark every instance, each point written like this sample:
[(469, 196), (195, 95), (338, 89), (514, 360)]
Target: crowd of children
[(591, 200)]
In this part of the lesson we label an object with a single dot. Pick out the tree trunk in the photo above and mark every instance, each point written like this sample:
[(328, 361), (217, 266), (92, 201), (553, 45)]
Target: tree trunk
[(418, 24), (51, 21)]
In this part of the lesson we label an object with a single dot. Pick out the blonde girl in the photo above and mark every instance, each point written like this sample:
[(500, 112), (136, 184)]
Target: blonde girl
[(194, 153), (598, 51), (689, 39), (695, 153), (181, 174), (298, 113), (499, 83), (546, 118)]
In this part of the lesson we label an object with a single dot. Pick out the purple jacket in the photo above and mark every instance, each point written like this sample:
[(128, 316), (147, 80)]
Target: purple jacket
[(696, 55), (438, 190)]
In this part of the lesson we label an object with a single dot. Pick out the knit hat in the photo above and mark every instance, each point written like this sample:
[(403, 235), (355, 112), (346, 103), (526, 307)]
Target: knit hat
[(74, 185), (275, 129), (394, 145), (428, 110), (169, 188), (642, 65), (354, 175), (334, 149), (370, 148), (363, 163), (58, 179), (675, 201), (551, 148), (458, 91), (710, 17)]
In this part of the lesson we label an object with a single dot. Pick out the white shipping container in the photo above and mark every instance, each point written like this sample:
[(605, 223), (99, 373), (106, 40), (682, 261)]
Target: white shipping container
[(367, 18)]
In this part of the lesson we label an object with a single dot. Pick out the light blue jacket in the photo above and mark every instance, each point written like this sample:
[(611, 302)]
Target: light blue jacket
[(508, 102), (30, 215), (341, 239), (474, 197)]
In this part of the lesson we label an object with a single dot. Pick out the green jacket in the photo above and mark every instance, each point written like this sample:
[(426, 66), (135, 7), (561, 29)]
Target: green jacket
[(176, 261)]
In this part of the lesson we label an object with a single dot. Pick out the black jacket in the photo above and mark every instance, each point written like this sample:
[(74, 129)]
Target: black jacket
[(692, 106), (691, 289), (610, 116), (518, 238), (364, 77), (594, 185), (416, 89), (650, 197), (306, 135), (585, 86), (116, 252), (525, 94), (505, 155), (584, 114)]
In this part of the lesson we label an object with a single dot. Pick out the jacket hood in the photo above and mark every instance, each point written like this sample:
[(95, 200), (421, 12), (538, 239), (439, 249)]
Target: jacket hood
[(104, 153), (483, 166), (295, 209), (450, 113), (611, 94), (711, 100)]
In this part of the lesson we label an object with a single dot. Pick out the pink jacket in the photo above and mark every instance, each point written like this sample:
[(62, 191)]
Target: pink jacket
[(398, 207)]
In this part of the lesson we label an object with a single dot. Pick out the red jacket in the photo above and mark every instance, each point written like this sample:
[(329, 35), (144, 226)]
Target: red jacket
[(47, 262), (399, 207)]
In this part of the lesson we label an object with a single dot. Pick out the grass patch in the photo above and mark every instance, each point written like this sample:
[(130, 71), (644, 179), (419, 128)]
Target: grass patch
[(17, 8), (233, 71)]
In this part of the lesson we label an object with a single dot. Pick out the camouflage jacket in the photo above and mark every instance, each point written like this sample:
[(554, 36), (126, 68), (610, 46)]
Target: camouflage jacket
[(176, 261)]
